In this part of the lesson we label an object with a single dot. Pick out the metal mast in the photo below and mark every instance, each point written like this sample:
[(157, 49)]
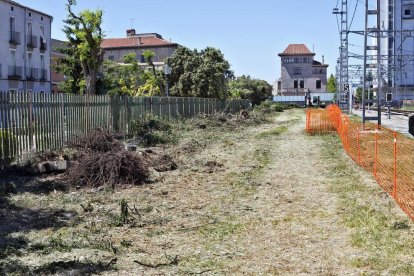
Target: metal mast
[(344, 92), (375, 33)]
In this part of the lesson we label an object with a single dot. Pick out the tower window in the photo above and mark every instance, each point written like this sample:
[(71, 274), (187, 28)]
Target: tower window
[(407, 12), (318, 84)]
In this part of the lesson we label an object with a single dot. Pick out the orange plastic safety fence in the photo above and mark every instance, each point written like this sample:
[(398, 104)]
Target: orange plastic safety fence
[(317, 120), (388, 155)]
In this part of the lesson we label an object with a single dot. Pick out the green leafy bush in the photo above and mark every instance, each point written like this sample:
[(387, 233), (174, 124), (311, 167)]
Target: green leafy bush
[(8, 148), (151, 130), (269, 106)]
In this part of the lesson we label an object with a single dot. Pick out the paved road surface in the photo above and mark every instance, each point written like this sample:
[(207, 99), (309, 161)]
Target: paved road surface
[(397, 122)]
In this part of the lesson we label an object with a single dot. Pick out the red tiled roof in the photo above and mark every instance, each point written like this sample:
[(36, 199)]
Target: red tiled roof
[(134, 42), (297, 49)]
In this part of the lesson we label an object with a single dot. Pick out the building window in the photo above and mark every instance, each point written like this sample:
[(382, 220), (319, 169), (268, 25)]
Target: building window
[(297, 71), (111, 58), (43, 71), (12, 28), (42, 62), (29, 60), (13, 57), (288, 60), (318, 84), (407, 12), (30, 14), (29, 28), (295, 84), (302, 84), (12, 8), (320, 71)]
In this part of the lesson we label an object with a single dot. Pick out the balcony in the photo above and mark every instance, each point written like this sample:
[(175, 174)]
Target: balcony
[(43, 45), (15, 72), (31, 41), (15, 38), (43, 75), (32, 73)]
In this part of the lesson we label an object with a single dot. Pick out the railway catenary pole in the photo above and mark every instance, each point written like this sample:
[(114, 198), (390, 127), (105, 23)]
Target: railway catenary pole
[(344, 91)]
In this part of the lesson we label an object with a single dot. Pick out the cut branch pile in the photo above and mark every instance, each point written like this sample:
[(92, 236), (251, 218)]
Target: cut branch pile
[(105, 162), (97, 140)]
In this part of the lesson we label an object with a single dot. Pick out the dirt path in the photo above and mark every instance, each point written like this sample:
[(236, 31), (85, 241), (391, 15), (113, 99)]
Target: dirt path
[(263, 207), (298, 228)]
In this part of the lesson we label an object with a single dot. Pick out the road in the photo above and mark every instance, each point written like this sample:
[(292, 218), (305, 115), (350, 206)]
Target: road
[(398, 123)]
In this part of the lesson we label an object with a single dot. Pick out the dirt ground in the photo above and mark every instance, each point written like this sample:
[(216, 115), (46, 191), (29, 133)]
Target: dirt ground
[(246, 200)]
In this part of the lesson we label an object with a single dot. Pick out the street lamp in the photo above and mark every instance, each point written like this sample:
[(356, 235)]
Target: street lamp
[(167, 72)]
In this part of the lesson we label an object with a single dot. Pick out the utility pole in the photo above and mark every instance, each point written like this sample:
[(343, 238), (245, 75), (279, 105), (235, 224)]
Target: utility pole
[(344, 91), (374, 32)]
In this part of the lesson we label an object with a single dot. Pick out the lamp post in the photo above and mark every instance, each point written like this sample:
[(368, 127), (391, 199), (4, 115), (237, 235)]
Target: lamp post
[(167, 72)]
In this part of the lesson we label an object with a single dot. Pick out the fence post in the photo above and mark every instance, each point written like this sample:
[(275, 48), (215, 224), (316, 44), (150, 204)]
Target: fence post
[(359, 147), (347, 135), (395, 166), (376, 153), (31, 119), (62, 120)]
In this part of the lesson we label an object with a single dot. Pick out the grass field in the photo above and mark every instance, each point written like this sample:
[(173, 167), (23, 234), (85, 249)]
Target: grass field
[(246, 198)]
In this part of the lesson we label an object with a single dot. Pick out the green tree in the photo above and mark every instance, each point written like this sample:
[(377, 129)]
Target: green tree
[(70, 65), (358, 94), (331, 85), (158, 77), (199, 74), (85, 30), (255, 90), (149, 56), (129, 79)]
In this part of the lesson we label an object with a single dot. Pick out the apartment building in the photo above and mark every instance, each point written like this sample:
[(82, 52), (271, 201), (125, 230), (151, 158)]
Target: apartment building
[(300, 72), (24, 48), (398, 68), (117, 48)]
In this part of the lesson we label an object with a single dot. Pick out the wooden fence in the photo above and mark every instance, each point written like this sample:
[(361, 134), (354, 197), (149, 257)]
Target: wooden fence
[(31, 123)]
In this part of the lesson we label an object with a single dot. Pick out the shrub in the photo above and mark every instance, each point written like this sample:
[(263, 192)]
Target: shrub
[(8, 148), (151, 130), (269, 106)]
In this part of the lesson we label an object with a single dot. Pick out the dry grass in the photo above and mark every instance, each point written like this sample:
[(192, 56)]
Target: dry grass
[(378, 226), (235, 205)]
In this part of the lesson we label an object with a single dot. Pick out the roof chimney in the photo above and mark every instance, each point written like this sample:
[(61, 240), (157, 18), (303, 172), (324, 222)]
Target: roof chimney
[(130, 32), (323, 59)]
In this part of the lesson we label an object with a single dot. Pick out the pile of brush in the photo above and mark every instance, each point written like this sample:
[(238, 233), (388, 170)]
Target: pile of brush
[(104, 161)]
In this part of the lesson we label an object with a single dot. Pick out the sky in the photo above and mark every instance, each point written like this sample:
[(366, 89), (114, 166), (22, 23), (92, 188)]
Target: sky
[(250, 33)]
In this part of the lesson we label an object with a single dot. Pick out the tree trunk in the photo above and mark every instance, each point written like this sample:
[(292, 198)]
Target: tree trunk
[(91, 82)]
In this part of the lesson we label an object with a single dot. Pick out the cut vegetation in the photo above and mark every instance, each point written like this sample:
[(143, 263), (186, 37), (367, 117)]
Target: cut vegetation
[(228, 195)]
